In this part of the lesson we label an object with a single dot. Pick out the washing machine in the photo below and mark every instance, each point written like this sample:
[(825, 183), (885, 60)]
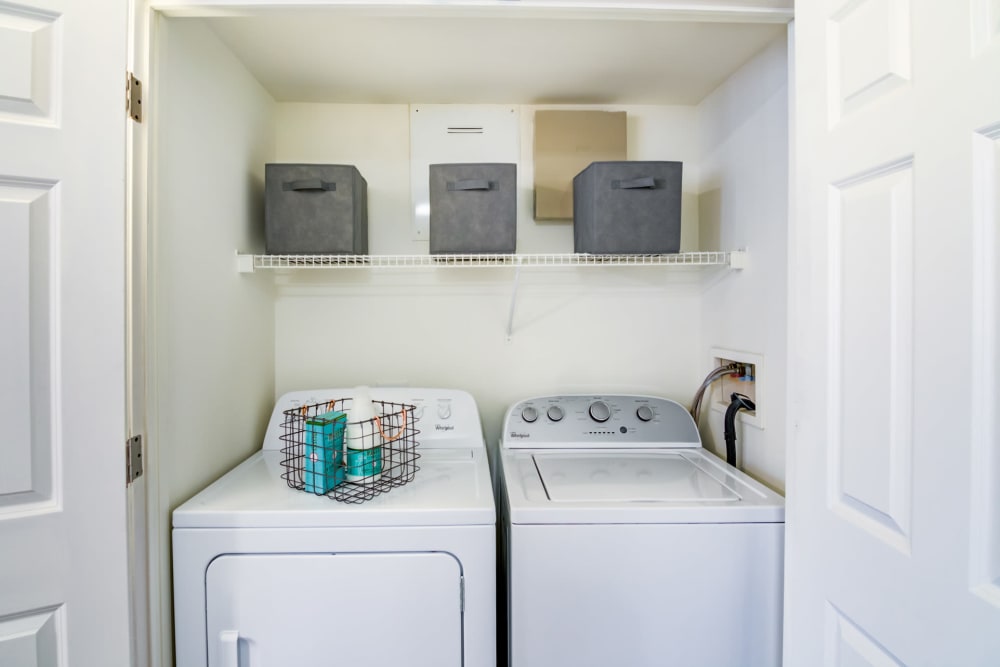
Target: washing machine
[(627, 543), (267, 576)]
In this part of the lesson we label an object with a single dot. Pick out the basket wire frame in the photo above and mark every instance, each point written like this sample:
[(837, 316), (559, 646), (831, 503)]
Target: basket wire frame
[(394, 432)]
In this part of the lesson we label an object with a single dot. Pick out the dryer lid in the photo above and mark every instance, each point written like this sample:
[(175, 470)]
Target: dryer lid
[(628, 477), (452, 488)]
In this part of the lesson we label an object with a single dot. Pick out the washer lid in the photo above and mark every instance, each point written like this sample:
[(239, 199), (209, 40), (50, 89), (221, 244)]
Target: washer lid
[(628, 477), (631, 486)]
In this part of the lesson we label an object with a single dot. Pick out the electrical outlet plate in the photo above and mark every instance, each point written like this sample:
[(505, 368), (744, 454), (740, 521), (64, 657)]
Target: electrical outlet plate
[(754, 389)]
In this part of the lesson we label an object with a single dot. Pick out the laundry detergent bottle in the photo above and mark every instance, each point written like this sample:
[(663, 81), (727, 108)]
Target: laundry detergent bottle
[(364, 441)]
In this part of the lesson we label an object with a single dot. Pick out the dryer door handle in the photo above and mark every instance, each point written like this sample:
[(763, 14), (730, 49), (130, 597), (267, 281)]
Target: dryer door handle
[(229, 648)]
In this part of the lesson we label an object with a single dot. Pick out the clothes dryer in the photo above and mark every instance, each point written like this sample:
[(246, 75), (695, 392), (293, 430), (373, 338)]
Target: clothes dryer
[(267, 575), (627, 543)]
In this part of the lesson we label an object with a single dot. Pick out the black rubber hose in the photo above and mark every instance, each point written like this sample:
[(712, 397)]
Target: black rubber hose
[(737, 402)]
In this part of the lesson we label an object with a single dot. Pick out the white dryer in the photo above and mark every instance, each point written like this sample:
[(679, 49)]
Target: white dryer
[(628, 544), (269, 576)]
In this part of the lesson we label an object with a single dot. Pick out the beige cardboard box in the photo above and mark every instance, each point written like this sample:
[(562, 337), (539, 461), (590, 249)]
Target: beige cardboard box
[(566, 142)]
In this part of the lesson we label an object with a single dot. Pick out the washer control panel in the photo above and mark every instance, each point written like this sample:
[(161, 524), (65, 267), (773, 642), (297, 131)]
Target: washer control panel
[(599, 421)]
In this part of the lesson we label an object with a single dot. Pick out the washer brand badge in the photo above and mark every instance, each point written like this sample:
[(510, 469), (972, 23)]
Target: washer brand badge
[(515, 434), (444, 427)]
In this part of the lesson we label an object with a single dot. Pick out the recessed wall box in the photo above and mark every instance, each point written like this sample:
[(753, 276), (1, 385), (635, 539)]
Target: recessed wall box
[(749, 381)]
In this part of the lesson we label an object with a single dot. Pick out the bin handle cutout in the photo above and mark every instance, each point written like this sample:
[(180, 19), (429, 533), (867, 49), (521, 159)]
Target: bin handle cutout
[(472, 184), (647, 182), (309, 185)]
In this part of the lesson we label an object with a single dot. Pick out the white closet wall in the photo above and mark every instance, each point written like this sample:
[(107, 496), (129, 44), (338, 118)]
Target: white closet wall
[(215, 339), (212, 329), (744, 204)]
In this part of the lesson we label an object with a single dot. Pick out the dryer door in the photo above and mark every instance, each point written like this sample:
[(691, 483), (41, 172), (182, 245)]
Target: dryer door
[(383, 610)]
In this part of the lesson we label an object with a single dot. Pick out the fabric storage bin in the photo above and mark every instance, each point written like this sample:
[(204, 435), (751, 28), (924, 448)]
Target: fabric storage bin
[(315, 209), (627, 208), (473, 208)]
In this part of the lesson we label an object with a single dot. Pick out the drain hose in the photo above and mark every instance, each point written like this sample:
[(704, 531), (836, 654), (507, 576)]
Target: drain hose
[(737, 402)]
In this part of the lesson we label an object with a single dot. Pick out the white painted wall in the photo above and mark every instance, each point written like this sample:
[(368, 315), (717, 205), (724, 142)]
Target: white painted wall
[(574, 330), (744, 203), (212, 329)]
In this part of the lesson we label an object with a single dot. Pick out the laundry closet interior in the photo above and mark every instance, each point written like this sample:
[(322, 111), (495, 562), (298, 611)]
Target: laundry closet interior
[(231, 88)]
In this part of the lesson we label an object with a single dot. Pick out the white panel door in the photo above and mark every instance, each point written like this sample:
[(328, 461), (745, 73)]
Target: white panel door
[(377, 610), (893, 514), (63, 582)]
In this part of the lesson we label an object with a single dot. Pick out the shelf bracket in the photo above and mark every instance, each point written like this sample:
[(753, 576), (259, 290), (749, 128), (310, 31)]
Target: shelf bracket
[(738, 259), (244, 263)]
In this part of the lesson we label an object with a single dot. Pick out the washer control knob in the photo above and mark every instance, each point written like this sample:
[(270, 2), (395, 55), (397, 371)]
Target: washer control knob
[(529, 414), (599, 411), (555, 413), (644, 413), (444, 410)]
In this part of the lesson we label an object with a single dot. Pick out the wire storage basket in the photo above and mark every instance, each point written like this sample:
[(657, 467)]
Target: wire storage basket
[(325, 454)]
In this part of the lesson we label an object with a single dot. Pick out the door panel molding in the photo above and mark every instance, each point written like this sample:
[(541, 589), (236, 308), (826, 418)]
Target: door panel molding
[(870, 260), (848, 644), (29, 92), (870, 55), (34, 639), (30, 449)]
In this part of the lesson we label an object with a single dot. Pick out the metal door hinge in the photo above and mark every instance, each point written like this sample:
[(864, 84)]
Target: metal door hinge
[(133, 97), (133, 459)]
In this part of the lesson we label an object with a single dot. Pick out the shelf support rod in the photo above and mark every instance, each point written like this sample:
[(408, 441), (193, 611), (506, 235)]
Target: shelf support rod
[(513, 300)]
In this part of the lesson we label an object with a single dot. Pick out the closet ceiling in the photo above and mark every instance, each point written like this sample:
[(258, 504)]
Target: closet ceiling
[(329, 56)]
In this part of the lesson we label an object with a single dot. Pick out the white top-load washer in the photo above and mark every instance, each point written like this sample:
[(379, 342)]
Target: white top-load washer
[(269, 576), (628, 544)]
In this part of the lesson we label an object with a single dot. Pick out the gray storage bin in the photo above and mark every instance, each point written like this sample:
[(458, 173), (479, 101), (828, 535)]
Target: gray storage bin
[(315, 209), (473, 208), (627, 208)]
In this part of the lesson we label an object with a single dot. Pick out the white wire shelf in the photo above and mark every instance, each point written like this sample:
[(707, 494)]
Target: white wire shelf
[(733, 259)]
